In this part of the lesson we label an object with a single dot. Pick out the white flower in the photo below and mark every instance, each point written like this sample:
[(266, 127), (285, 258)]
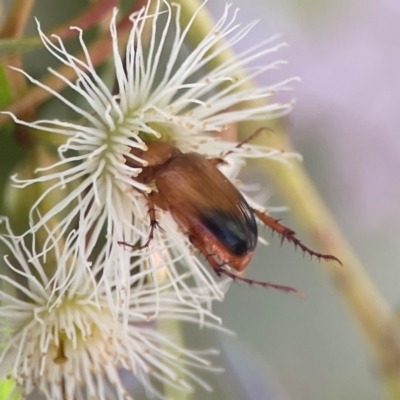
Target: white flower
[(162, 94), (65, 337)]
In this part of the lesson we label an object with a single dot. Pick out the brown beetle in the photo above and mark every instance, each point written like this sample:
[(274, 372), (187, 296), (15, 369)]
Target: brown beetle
[(207, 206)]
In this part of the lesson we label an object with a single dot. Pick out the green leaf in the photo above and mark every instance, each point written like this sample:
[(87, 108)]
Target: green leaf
[(6, 388), (5, 91), (5, 98)]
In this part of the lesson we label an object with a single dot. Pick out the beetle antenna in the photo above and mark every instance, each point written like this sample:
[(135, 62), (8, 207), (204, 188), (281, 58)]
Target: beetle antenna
[(289, 235), (251, 282)]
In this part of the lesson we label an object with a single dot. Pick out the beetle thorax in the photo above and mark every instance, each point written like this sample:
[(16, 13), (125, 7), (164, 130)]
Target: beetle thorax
[(159, 153)]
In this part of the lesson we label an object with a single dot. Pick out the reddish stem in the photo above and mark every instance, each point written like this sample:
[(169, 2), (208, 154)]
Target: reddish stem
[(99, 51), (85, 20)]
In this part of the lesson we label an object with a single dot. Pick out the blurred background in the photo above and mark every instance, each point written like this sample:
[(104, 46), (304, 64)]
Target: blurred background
[(346, 125)]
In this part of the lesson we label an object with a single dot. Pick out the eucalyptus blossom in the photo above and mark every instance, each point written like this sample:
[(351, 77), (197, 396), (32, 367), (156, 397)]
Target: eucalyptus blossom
[(65, 333), (163, 94)]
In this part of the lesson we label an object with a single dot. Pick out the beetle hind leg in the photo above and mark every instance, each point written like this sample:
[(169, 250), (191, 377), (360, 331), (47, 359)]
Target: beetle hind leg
[(221, 271), (290, 236)]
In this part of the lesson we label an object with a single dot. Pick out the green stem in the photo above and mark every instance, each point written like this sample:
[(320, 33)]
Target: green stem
[(368, 309), (172, 328)]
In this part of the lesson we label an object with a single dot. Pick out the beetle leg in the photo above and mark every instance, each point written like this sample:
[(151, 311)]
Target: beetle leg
[(208, 256), (216, 161), (289, 235), (221, 271), (248, 139), (153, 225), (220, 160)]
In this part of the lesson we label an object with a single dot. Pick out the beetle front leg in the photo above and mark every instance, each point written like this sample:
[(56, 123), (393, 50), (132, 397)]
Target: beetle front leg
[(248, 139), (220, 160), (289, 235), (216, 161), (153, 225)]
